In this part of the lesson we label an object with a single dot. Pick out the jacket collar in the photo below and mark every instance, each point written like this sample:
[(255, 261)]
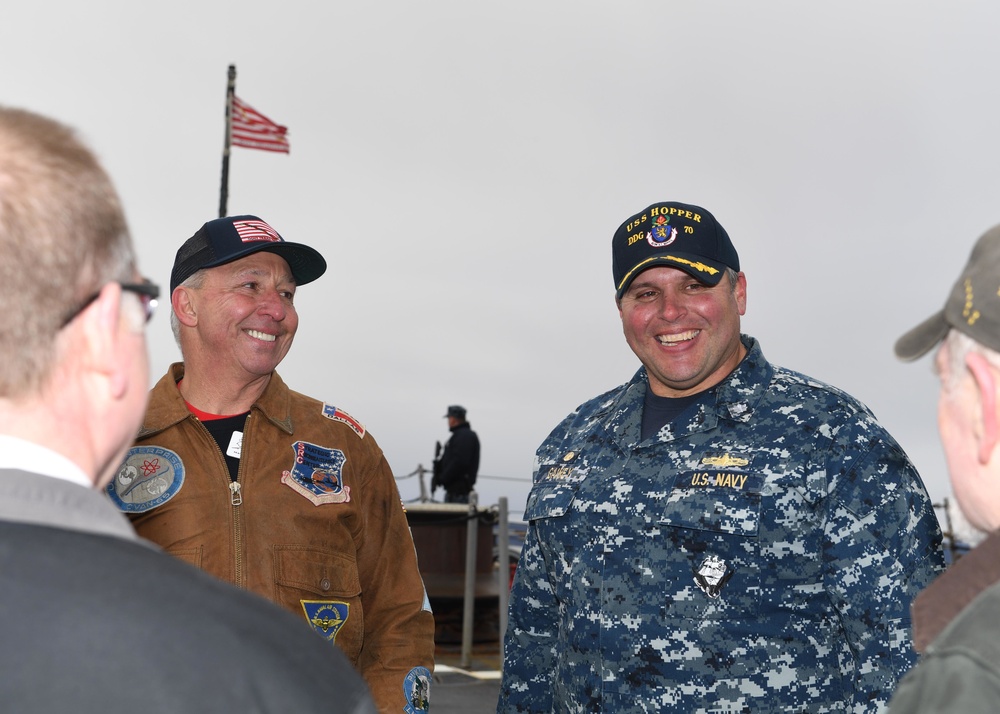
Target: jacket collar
[(941, 601), (41, 500), (167, 408)]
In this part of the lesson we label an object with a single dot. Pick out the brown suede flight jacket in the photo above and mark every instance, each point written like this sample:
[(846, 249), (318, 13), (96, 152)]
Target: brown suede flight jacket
[(351, 547)]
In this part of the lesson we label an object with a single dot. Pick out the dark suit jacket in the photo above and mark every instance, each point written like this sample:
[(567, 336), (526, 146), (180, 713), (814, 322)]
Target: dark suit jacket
[(96, 620)]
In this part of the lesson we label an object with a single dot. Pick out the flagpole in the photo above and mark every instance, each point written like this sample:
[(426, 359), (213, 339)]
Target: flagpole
[(224, 190)]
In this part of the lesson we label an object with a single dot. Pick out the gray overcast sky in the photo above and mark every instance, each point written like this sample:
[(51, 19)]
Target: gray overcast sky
[(463, 165)]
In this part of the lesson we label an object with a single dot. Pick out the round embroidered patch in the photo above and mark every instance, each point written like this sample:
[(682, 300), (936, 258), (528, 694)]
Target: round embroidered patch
[(417, 688), (149, 477)]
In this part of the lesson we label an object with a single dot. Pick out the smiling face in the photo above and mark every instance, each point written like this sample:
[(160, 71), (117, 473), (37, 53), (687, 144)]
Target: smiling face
[(244, 317), (686, 333)]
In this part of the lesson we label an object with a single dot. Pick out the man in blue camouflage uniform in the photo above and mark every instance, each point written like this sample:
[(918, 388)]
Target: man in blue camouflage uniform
[(719, 534)]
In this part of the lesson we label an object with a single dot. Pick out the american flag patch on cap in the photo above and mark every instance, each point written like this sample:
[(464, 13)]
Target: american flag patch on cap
[(252, 231)]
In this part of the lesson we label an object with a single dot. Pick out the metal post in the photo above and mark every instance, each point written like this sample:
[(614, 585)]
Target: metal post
[(224, 189), (468, 604), (423, 487), (503, 574)]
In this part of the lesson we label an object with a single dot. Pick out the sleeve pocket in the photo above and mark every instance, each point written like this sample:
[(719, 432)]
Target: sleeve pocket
[(549, 500)]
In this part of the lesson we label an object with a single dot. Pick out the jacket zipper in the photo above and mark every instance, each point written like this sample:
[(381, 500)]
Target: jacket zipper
[(236, 498)]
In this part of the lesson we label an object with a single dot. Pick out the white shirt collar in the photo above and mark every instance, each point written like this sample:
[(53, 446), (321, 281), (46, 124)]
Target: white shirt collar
[(16, 453)]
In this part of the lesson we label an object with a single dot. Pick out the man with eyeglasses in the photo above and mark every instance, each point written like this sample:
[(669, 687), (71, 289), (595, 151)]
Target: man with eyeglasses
[(97, 620), (267, 488)]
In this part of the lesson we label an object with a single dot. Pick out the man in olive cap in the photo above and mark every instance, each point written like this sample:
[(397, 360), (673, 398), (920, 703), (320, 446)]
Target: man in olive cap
[(956, 621)]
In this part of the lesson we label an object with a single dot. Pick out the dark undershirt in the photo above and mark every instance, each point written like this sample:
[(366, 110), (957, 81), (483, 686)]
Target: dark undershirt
[(658, 411), (222, 429)]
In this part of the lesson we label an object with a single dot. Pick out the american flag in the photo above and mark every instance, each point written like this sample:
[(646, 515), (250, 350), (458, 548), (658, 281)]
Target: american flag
[(252, 231), (252, 130)]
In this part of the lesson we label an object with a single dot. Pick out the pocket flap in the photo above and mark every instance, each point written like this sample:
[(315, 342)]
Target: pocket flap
[(713, 509), (323, 572), (549, 500)]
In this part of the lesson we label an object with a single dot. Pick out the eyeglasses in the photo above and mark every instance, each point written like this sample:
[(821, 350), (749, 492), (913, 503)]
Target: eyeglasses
[(147, 291)]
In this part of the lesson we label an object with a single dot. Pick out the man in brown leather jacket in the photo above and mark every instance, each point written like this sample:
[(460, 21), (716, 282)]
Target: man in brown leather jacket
[(269, 489)]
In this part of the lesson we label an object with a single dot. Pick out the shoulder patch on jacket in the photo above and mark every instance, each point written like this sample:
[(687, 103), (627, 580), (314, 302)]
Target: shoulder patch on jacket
[(417, 690), (340, 415), (149, 477)]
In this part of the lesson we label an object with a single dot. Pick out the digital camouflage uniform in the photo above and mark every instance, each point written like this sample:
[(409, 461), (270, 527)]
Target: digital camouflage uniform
[(760, 556)]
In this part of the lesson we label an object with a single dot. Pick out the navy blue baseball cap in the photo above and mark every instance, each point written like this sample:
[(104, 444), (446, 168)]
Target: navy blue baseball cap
[(227, 239), (676, 235)]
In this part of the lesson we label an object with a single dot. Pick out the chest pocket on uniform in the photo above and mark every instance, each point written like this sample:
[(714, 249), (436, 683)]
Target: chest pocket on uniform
[(725, 502), (549, 499)]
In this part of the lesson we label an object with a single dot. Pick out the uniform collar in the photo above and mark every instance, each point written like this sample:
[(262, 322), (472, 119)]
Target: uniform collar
[(739, 394), (734, 399)]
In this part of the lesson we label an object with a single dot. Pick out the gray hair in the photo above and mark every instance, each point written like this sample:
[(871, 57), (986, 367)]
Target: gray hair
[(194, 281), (733, 277), (63, 236), (959, 346)]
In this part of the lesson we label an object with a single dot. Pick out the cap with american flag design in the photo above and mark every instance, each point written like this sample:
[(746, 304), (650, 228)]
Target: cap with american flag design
[(224, 240)]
